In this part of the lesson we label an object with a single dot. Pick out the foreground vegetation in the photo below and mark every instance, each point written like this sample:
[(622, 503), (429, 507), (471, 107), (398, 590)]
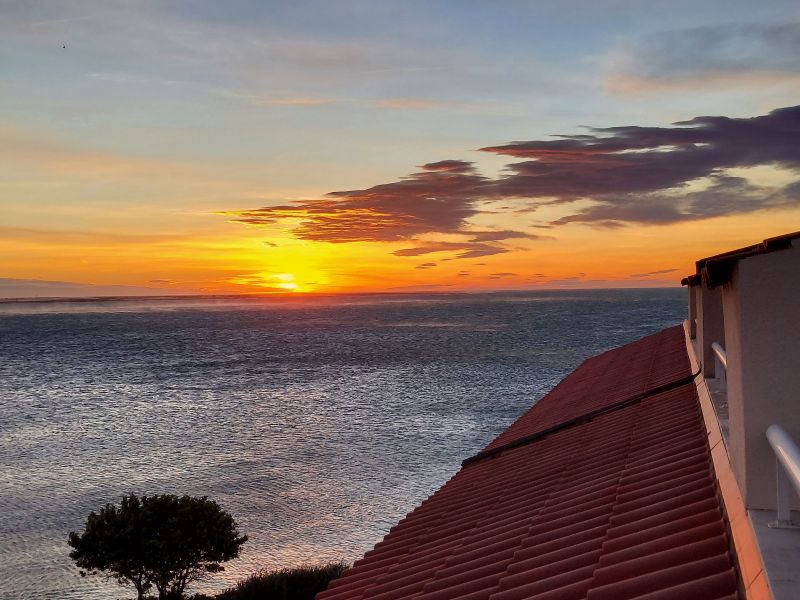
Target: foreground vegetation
[(167, 542), (301, 583)]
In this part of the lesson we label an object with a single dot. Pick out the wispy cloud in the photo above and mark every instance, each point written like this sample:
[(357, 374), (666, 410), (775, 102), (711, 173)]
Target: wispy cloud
[(278, 100), (30, 147), (41, 288), (714, 56), (409, 103)]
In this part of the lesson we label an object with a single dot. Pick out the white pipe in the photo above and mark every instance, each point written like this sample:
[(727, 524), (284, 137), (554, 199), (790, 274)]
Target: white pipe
[(788, 458)]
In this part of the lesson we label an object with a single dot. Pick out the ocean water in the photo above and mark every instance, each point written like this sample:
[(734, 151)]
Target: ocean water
[(318, 423)]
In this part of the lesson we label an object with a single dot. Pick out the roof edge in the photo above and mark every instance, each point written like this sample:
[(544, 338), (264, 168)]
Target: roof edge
[(717, 270)]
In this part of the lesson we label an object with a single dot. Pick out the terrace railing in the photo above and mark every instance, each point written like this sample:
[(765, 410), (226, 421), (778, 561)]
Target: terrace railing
[(720, 364), (787, 464)]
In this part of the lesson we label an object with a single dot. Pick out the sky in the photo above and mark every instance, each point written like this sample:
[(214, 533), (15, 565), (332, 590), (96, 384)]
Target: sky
[(374, 146)]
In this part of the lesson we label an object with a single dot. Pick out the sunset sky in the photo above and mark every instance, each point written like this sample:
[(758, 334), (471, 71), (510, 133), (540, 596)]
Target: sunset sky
[(349, 146)]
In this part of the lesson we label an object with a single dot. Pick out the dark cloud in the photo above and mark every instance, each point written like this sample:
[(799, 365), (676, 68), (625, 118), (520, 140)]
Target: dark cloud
[(465, 250), (439, 199), (631, 174), (726, 195), (630, 159), (449, 166), (651, 273), (628, 171), (496, 236), (427, 265)]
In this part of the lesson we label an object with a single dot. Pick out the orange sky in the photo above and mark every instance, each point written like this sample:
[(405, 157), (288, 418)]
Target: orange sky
[(261, 151)]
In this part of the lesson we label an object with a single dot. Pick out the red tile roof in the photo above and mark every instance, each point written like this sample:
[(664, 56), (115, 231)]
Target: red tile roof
[(623, 505)]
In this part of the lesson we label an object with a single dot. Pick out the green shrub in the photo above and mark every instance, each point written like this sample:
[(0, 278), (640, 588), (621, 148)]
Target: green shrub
[(300, 583)]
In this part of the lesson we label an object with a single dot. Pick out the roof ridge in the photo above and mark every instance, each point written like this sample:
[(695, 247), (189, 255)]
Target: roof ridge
[(579, 420)]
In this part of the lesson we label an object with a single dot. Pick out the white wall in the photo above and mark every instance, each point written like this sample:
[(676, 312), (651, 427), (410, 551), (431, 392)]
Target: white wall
[(761, 306)]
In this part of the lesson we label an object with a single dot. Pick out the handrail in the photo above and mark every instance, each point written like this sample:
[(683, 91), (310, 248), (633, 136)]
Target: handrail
[(722, 356), (787, 456), (720, 360)]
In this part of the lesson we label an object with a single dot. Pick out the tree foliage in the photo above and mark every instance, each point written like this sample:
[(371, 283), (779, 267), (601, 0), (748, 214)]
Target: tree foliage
[(161, 541)]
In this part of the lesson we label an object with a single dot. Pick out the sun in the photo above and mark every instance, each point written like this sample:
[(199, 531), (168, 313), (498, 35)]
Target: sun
[(285, 281)]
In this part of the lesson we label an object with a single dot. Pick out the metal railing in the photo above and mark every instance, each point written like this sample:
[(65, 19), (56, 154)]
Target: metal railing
[(787, 459), (720, 363)]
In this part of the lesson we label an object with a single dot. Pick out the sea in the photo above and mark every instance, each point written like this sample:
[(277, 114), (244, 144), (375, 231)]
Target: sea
[(317, 422)]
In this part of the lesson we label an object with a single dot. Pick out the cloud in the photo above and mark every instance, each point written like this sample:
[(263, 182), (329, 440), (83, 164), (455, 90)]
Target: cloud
[(296, 101), (651, 273), (427, 265), (465, 250), (726, 195), (42, 288), (438, 199), (496, 236), (637, 174), (628, 159), (721, 55), (20, 146), (67, 237), (421, 287), (627, 174), (410, 103), (502, 275), (429, 104)]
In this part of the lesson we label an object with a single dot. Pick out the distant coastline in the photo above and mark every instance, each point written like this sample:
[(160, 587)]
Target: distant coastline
[(305, 295)]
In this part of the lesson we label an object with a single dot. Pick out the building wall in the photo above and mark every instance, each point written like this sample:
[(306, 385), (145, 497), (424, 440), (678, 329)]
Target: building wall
[(762, 332)]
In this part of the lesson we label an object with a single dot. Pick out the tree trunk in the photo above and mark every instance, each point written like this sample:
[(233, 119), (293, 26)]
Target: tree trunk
[(137, 583)]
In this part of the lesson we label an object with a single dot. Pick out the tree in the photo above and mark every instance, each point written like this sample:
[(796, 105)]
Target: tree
[(164, 541)]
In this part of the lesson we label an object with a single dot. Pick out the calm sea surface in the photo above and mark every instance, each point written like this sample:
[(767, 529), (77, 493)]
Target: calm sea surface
[(317, 423)]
